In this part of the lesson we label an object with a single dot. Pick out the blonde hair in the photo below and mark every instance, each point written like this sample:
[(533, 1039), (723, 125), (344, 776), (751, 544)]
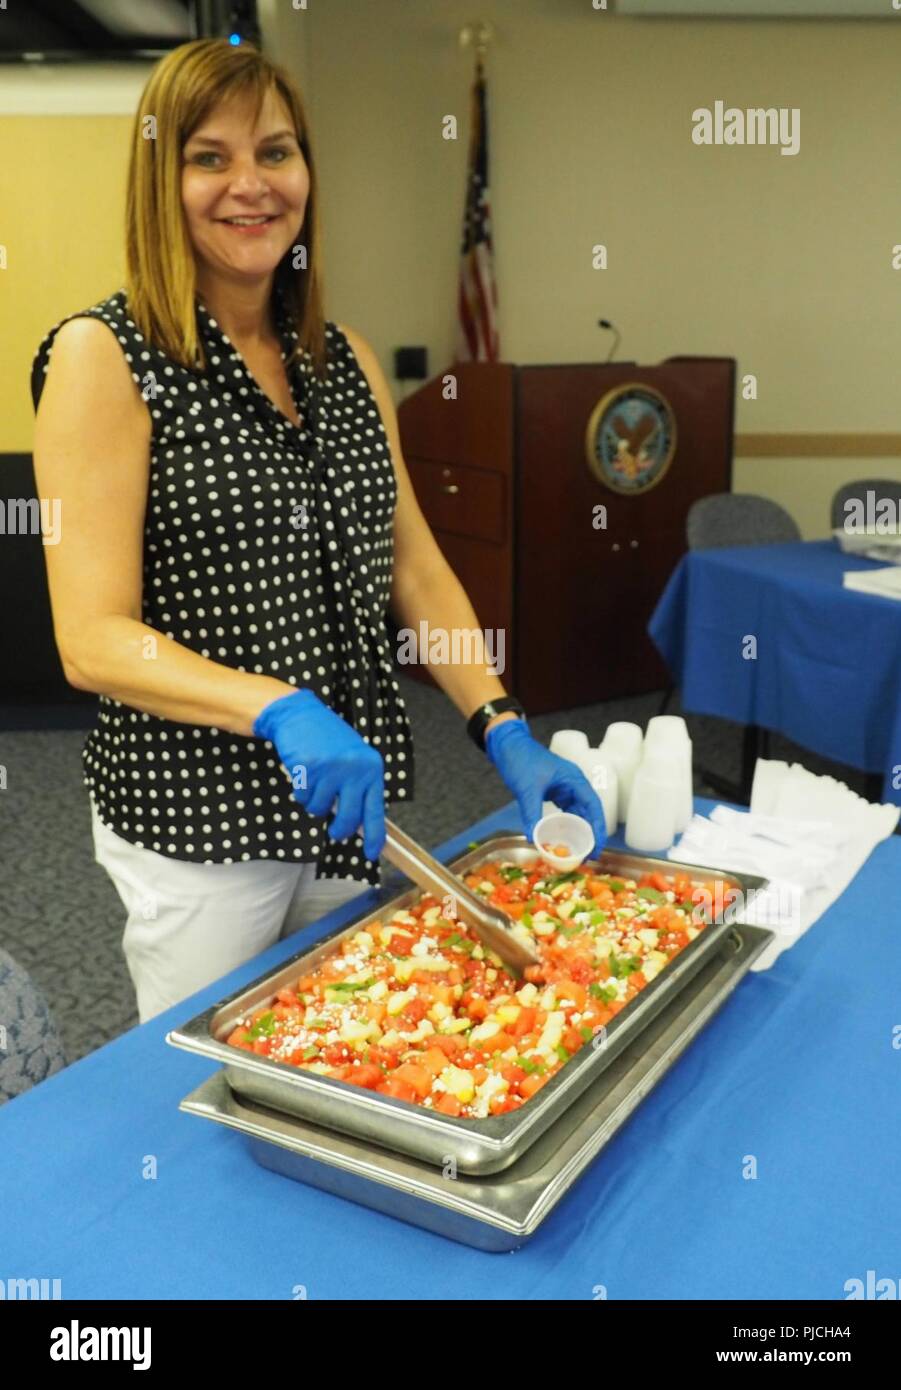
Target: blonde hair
[(160, 276)]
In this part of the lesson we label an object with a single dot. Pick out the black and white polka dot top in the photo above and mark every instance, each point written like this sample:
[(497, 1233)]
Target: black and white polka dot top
[(268, 548)]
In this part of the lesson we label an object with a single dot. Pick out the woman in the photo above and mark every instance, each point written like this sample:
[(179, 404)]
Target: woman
[(236, 521)]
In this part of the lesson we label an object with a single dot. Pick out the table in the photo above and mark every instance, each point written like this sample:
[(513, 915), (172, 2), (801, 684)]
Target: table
[(826, 671), (797, 1070)]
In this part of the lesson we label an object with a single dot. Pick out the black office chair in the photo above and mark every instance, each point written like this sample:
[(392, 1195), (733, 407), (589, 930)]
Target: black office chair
[(30, 1046), (737, 518), (857, 492)]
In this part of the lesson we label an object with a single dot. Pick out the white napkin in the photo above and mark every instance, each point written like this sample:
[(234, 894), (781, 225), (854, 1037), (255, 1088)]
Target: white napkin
[(888, 554), (705, 842), (785, 832), (792, 793), (884, 582), (807, 862), (875, 544)]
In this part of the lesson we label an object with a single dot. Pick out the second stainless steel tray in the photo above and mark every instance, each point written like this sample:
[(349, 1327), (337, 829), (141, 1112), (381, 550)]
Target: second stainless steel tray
[(475, 1146), (500, 1211)]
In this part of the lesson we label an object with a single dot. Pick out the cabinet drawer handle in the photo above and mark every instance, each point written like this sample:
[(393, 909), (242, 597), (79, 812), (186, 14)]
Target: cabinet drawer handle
[(450, 487), (616, 545), (634, 544)]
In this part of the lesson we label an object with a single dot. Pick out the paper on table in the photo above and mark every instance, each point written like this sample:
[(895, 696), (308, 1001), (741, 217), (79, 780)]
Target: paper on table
[(704, 842), (884, 582), (808, 863), (876, 545), (789, 792), (888, 554), (784, 832)]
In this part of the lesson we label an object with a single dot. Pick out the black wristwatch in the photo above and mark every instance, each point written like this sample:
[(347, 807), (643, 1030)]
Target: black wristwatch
[(477, 723)]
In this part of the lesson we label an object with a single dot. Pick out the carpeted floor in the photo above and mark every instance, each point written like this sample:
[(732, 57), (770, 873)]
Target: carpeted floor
[(61, 918)]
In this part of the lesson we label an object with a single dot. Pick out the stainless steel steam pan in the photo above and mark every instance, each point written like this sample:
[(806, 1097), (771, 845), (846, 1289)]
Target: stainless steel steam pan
[(475, 1146), (503, 1210)]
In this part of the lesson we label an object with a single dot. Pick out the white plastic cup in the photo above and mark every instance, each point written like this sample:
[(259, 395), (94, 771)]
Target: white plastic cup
[(601, 773), (569, 743), (623, 737), (622, 747), (669, 759), (687, 808), (562, 827), (666, 730), (653, 805)]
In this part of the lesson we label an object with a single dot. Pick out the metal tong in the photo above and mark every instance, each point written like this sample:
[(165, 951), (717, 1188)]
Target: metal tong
[(491, 926)]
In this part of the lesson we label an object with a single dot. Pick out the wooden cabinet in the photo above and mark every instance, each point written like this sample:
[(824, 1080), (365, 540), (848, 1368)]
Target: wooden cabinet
[(459, 452), (464, 501), (501, 475)]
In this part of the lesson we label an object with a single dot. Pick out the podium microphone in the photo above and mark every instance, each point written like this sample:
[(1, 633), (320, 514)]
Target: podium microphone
[(611, 327)]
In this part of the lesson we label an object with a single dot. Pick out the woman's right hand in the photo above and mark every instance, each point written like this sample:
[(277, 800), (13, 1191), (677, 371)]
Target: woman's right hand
[(327, 759)]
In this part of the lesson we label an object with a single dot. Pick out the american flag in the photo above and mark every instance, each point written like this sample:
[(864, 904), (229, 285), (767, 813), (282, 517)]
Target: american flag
[(477, 335)]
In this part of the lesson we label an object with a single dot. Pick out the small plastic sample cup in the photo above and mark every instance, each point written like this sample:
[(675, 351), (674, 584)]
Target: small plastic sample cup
[(569, 743), (563, 829)]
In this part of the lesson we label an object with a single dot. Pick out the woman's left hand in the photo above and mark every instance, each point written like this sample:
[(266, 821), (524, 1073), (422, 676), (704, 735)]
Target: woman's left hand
[(534, 775)]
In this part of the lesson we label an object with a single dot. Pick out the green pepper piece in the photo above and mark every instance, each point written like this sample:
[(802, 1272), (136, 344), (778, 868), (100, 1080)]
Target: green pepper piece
[(350, 986), (460, 943), (263, 1028), (511, 872), (556, 879), (623, 966)]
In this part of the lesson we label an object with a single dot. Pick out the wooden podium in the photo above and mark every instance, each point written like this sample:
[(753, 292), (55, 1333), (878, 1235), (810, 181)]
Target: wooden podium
[(502, 476)]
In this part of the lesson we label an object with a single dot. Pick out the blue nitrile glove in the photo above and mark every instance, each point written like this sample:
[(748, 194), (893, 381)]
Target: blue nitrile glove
[(327, 759), (534, 774)]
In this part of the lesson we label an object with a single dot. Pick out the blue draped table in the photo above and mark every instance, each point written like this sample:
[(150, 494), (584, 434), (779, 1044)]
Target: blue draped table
[(824, 667), (797, 1071)]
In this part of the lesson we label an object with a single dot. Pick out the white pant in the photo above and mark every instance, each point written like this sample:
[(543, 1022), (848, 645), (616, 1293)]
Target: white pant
[(189, 924)]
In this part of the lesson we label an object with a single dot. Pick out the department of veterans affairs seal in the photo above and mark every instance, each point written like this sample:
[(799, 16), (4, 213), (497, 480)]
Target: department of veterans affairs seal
[(631, 438)]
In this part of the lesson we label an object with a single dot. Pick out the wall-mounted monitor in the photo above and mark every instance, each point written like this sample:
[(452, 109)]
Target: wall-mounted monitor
[(60, 31)]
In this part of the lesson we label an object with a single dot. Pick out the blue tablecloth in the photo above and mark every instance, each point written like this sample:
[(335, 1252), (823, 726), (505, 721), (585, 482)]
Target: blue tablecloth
[(827, 668), (797, 1070)]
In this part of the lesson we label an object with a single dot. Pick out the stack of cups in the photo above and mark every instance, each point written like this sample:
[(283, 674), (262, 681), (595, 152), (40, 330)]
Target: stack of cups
[(622, 749), (571, 744), (601, 773), (600, 770), (661, 803)]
